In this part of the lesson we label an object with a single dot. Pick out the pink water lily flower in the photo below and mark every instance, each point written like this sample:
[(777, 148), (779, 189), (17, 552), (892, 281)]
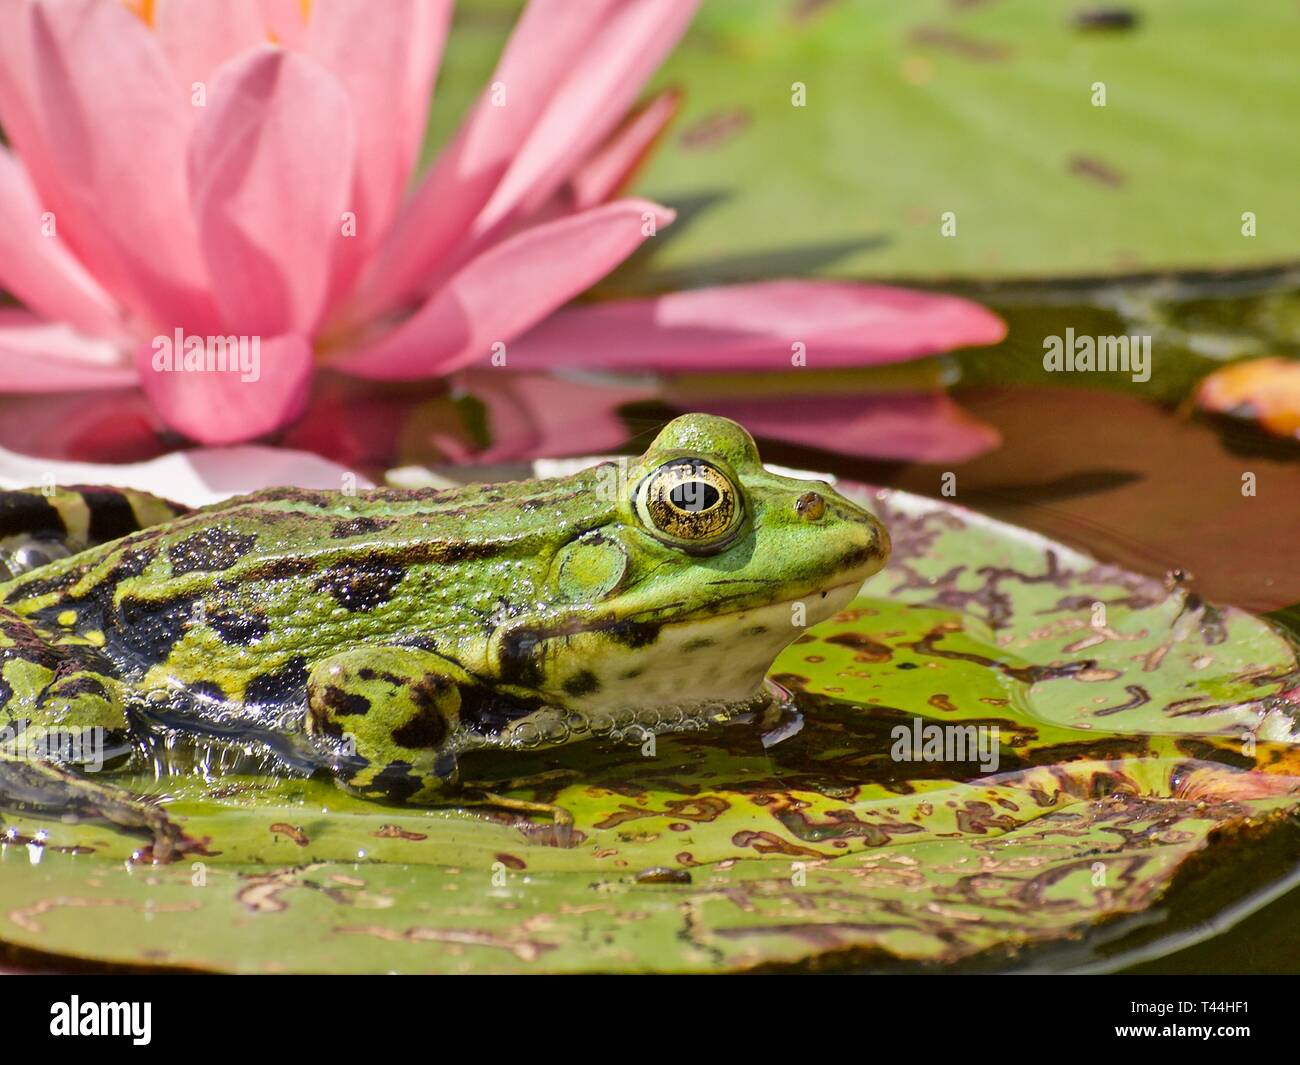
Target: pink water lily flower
[(212, 201)]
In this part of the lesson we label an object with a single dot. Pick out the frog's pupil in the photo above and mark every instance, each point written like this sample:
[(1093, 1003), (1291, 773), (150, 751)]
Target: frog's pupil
[(694, 496)]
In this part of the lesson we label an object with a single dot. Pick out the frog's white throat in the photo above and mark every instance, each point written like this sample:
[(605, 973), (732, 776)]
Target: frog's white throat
[(718, 659)]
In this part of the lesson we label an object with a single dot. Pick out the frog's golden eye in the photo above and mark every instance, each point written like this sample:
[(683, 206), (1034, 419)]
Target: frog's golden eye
[(691, 502)]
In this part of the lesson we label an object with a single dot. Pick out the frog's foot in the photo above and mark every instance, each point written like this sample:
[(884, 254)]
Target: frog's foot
[(386, 714), (50, 786), (488, 793), (561, 819), (72, 719)]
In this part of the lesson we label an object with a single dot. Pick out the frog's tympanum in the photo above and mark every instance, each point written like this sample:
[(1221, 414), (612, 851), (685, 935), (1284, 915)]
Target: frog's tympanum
[(387, 632)]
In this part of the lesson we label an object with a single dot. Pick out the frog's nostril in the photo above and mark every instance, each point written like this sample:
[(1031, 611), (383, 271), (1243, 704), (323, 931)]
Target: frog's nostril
[(810, 506)]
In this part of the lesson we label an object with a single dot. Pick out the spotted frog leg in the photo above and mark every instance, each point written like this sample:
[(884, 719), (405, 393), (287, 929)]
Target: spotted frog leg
[(389, 716)]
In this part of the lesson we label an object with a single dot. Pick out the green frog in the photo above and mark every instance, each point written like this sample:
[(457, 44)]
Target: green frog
[(383, 634)]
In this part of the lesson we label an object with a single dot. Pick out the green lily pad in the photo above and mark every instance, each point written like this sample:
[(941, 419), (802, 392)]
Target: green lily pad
[(1103, 730), (985, 110)]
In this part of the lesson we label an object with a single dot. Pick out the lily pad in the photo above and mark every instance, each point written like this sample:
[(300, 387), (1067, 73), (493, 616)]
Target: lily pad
[(1111, 728), (990, 111)]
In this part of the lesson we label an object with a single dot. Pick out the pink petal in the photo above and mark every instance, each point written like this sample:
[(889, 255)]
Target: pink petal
[(103, 130), (545, 46), (271, 170), (608, 169), (756, 326), (41, 356), (386, 65), (590, 103), (507, 289), (38, 269), (113, 425), (906, 427), (219, 406), (198, 35), (536, 415)]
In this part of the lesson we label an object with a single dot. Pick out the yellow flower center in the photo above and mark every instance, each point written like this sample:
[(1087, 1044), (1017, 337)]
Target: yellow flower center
[(144, 9)]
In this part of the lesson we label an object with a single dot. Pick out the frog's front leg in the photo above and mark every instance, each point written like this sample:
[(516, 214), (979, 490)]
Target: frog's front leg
[(390, 713), (387, 713)]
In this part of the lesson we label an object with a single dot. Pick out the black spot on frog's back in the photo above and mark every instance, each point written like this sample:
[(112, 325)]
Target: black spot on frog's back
[(82, 685), (37, 586), (342, 530), (147, 630), (131, 563), (282, 688), (360, 584), (209, 550), (238, 627)]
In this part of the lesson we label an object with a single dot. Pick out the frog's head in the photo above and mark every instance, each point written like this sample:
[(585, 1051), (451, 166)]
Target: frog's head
[(702, 568)]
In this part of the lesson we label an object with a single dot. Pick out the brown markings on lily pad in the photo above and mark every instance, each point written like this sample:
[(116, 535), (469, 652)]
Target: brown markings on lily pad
[(961, 44), (977, 817), (261, 892), (26, 917), (283, 828), (14, 838), (1105, 18), (524, 949), (714, 129), (1097, 170), (397, 832), (1138, 696), (865, 649), (917, 537), (940, 701), (1030, 674), (841, 825), (771, 843), (662, 874), (510, 861), (1205, 749), (700, 810)]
